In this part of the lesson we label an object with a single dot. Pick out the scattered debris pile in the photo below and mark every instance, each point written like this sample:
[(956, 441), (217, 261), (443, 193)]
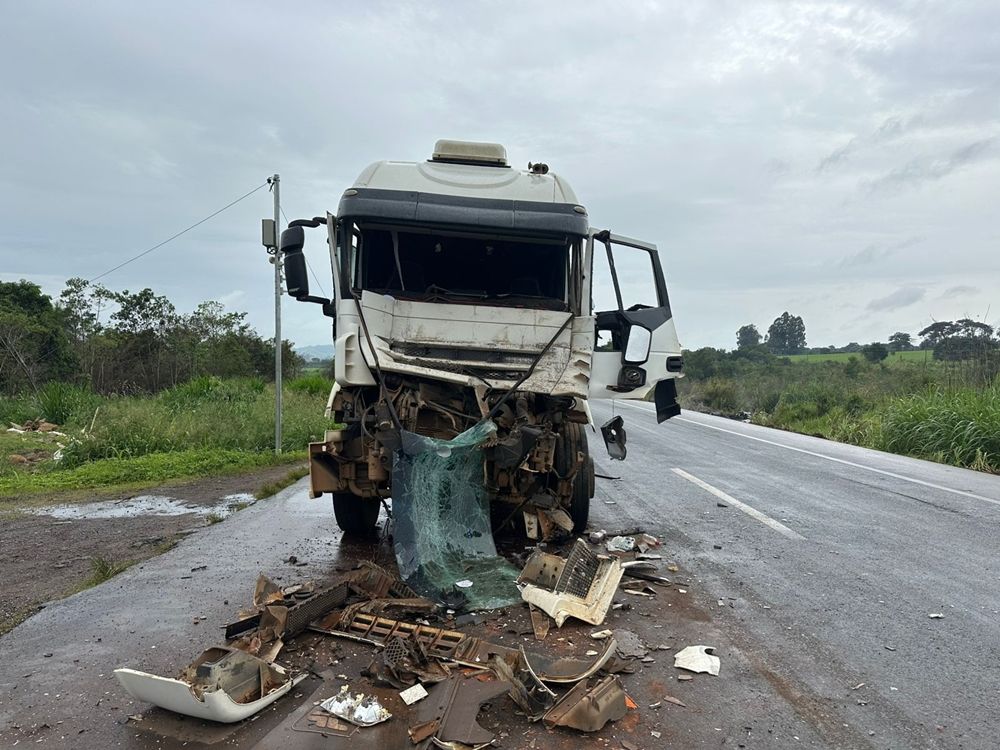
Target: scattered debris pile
[(427, 676)]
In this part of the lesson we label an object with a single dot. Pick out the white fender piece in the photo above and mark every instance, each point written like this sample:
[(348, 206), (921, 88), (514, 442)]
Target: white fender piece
[(210, 700)]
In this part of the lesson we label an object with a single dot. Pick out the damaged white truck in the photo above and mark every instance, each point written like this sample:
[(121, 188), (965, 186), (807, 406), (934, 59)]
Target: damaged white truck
[(464, 292)]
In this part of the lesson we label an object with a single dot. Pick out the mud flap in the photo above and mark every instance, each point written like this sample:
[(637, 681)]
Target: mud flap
[(665, 397)]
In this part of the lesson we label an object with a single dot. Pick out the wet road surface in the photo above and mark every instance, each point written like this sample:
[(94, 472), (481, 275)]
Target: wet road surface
[(812, 567)]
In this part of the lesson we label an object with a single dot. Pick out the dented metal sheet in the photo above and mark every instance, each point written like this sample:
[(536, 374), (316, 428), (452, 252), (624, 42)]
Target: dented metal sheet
[(223, 684), (589, 709), (581, 585), (449, 711)]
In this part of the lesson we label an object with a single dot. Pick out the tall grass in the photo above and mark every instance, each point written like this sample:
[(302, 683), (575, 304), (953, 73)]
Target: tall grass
[(960, 427), (206, 413)]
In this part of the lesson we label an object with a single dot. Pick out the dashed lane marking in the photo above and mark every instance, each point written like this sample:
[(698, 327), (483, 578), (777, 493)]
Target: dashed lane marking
[(752, 512)]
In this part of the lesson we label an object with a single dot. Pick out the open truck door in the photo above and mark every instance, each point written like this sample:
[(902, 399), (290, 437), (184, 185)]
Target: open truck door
[(636, 350)]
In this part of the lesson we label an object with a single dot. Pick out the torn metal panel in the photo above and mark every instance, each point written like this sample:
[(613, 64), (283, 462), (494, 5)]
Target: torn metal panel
[(449, 711), (527, 690), (223, 685), (581, 585), (564, 669), (589, 709)]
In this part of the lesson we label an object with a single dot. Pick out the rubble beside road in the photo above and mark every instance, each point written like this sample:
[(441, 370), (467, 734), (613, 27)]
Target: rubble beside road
[(436, 674)]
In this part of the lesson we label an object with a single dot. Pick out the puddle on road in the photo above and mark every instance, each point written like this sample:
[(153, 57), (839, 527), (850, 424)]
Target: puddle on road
[(145, 505)]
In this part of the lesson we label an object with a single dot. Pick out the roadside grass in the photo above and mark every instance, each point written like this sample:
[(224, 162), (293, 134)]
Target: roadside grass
[(206, 427), (936, 411), (102, 569), (273, 488), (139, 472), (11, 621)]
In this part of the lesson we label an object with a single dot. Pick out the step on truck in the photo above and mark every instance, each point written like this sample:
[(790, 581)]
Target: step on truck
[(465, 289)]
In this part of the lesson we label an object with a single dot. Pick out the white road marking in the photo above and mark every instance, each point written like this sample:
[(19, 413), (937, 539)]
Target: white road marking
[(932, 485), (752, 512)]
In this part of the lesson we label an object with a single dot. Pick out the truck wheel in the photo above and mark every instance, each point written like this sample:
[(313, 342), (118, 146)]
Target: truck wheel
[(356, 516), (573, 439)]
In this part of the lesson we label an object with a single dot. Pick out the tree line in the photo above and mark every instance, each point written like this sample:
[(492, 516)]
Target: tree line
[(950, 341), (124, 341)]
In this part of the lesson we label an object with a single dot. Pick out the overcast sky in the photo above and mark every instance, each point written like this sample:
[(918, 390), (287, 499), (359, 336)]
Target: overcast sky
[(837, 160)]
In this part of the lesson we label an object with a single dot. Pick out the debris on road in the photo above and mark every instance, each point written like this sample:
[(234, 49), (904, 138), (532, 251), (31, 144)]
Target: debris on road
[(427, 678), (629, 645), (413, 694), (620, 544), (589, 709), (223, 684), (357, 708), (698, 659), (449, 712), (936, 616), (581, 585)]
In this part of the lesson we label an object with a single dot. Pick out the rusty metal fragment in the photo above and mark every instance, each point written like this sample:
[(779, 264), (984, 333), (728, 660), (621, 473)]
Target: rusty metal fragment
[(449, 711), (540, 623), (581, 585), (589, 709)]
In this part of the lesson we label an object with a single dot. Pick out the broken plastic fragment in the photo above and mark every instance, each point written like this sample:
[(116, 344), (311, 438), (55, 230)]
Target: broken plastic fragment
[(223, 684), (412, 694), (698, 659), (620, 544), (359, 709), (581, 585)]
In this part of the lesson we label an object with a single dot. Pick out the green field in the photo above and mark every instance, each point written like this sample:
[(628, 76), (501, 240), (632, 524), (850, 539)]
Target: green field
[(919, 355)]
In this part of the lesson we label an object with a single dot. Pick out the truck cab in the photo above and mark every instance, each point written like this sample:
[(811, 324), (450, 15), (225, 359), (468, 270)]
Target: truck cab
[(463, 291)]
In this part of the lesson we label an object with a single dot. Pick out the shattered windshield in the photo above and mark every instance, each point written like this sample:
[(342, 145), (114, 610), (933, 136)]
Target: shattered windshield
[(451, 267)]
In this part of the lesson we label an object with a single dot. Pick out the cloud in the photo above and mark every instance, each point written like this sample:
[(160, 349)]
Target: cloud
[(902, 297), (960, 290), (922, 170), (890, 129)]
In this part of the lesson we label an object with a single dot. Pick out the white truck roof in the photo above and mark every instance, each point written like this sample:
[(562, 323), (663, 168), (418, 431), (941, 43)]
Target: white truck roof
[(490, 179)]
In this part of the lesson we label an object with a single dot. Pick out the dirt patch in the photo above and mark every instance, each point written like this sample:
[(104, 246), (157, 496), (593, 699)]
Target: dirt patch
[(47, 557)]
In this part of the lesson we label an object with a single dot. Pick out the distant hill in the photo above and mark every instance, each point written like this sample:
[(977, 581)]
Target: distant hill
[(316, 351)]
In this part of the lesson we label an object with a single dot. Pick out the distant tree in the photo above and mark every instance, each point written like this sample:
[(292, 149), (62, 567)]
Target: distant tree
[(787, 334), (935, 332), (900, 342), (747, 336), (34, 347), (702, 363), (956, 348), (875, 352), (973, 328), (853, 348)]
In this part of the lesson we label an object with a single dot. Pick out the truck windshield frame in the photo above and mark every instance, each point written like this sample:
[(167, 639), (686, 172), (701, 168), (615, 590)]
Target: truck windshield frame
[(451, 265)]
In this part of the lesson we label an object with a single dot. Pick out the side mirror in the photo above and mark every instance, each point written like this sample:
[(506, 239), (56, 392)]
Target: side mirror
[(293, 240), (637, 345)]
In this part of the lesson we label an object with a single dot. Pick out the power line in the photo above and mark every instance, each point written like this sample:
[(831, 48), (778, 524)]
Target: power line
[(308, 264), (174, 237)]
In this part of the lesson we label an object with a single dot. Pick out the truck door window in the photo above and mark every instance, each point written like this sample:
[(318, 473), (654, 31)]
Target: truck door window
[(623, 279)]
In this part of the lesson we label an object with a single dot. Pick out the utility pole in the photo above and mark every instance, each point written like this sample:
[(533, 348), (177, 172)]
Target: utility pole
[(275, 180)]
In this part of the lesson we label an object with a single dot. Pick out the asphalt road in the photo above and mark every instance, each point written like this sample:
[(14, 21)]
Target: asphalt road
[(813, 568), (846, 554)]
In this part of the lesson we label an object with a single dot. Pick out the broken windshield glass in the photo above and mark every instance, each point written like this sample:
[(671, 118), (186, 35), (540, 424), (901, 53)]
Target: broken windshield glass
[(442, 536)]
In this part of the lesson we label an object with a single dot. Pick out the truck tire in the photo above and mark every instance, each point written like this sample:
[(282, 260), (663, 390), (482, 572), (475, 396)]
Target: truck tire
[(356, 516), (573, 439)]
